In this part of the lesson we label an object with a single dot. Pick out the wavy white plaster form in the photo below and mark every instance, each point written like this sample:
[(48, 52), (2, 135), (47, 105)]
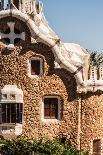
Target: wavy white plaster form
[(51, 43)]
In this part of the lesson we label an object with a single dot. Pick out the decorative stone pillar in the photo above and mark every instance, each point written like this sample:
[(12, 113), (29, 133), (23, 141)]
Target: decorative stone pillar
[(93, 73), (101, 73), (23, 5)]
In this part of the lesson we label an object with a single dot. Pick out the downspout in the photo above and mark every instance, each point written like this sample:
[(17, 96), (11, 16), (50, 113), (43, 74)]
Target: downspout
[(79, 122)]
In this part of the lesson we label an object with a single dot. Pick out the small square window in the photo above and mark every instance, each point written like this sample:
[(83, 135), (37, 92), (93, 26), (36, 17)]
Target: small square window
[(52, 108), (35, 67)]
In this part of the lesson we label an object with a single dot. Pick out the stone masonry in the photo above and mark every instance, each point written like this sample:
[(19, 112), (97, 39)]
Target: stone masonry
[(82, 113)]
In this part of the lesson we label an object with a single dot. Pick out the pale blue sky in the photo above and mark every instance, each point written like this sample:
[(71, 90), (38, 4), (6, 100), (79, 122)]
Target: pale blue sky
[(78, 21)]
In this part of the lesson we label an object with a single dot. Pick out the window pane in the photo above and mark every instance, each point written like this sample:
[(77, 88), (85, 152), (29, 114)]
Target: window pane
[(35, 67), (54, 110), (13, 113), (8, 113), (19, 113), (3, 113), (47, 113)]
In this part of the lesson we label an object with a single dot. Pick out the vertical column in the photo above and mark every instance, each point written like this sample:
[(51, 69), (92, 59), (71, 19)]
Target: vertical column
[(23, 5), (93, 73), (79, 122), (20, 2), (31, 5), (101, 73)]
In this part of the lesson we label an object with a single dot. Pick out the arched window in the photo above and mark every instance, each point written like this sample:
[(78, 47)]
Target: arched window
[(97, 147)]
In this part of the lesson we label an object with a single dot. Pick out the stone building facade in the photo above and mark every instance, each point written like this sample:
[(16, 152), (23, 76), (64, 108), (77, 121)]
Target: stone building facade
[(44, 86)]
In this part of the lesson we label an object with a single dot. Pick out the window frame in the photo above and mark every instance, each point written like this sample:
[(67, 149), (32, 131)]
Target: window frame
[(60, 111), (41, 66)]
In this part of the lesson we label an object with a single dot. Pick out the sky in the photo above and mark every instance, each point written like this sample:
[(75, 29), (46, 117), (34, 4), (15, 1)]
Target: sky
[(77, 21)]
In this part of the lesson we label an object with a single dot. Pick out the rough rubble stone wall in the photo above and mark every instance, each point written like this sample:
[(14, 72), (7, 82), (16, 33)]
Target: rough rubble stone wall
[(14, 70), (92, 119)]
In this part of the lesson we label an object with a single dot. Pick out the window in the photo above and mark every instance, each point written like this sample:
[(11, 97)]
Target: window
[(36, 66), (97, 147), (11, 113), (52, 108)]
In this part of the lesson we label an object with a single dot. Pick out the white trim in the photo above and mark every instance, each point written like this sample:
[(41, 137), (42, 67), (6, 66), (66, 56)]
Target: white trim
[(29, 67), (9, 90), (59, 110)]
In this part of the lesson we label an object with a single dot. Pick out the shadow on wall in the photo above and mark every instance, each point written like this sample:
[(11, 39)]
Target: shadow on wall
[(69, 82), (89, 94)]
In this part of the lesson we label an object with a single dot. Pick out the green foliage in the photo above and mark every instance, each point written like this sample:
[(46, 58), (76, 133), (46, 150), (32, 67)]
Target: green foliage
[(23, 146)]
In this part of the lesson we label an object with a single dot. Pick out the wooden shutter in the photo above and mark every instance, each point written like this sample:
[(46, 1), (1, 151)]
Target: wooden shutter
[(97, 147)]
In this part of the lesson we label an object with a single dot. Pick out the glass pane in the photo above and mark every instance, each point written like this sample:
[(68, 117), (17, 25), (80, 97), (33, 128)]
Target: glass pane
[(46, 105), (46, 113), (3, 113), (13, 113), (8, 113), (19, 113), (35, 67)]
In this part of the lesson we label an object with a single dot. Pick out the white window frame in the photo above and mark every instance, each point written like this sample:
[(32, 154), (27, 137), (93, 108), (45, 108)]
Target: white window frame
[(41, 67), (59, 110)]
